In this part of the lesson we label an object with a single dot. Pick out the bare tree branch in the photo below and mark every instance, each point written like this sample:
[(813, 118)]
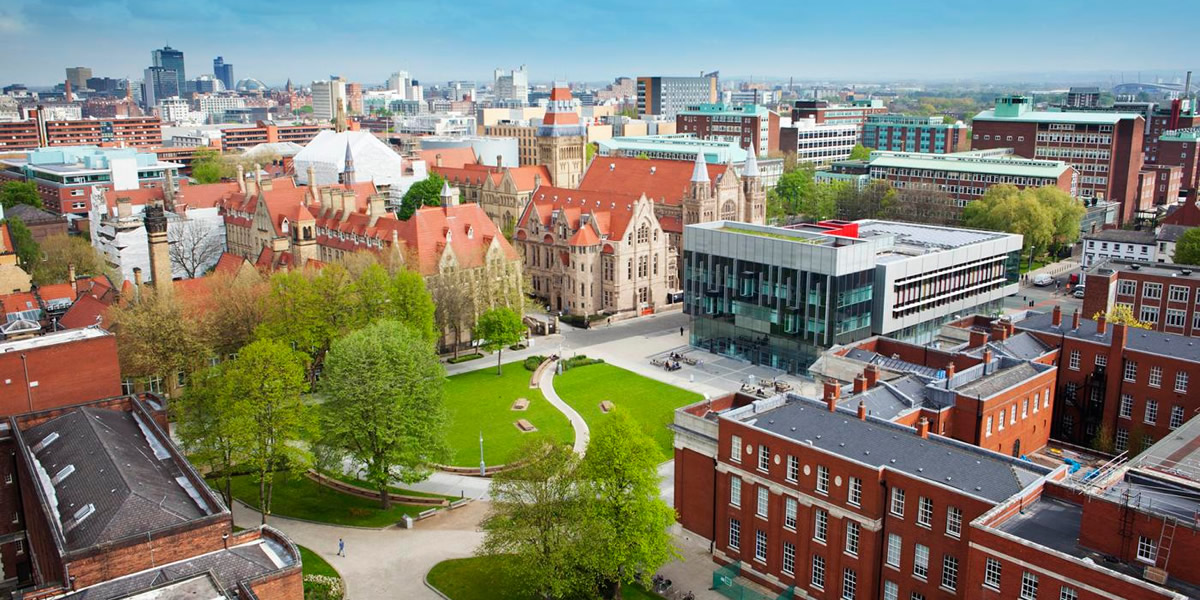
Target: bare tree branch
[(194, 246)]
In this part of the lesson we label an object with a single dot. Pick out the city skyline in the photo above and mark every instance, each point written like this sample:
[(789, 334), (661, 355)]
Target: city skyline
[(591, 43)]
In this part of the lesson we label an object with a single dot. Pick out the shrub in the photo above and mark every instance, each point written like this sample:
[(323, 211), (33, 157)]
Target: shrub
[(465, 358), (580, 360), (323, 587), (532, 362)]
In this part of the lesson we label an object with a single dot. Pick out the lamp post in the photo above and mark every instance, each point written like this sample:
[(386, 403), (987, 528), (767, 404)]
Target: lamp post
[(482, 467)]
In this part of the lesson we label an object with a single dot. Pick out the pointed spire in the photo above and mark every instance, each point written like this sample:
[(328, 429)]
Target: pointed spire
[(348, 171), (446, 195), (750, 169), (700, 172)]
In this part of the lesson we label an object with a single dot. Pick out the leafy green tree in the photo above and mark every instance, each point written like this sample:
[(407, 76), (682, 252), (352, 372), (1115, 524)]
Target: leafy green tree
[(268, 377), (59, 252), (872, 202), (499, 327), (427, 192), (1187, 248), (1122, 314), (860, 152), (210, 420), (589, 154), (412, 304), (156, 336), (27, 250), (13, 193), (1006, 208), (207, 166), (621, 473), (307, 109), (294, 315), (384, 407), (540, 520), (1066, 213), (794, 189)]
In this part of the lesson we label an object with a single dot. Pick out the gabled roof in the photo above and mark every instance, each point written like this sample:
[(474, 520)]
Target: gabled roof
[(609, 212), (471, 234), (525, 178), (666, 181), (206, 195), (31, 215), (229, 264), (1187, 214)]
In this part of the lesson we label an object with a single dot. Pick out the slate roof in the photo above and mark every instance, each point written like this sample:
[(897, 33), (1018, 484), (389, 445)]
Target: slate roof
[(1171, 233), (1124, 236), (889, 363), (1151, 342), (31, 215), (1022, 346), (999, 380), (953, 464), (116, 465)]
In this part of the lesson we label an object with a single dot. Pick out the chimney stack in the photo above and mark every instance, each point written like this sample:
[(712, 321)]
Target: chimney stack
[(537, 181), (241, 177), (923, 428), (1056, 316), (950, 369), (137, 278), (1075, 320), (1102, 324), (67, 91), (978, 338), (872, 375), (499, 161), (71, 279), (987, 360), (124, 208), (862, 411), (437, 159), (349, 204), (860, 384), (257, 176), (832, 391), (999, 332), (1120, 332), (155, 219)]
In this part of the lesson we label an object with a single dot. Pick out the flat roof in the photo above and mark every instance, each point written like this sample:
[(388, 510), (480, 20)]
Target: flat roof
[(1124, 236), (1176, 346), (877, 443), (50, 339), (1018, 167), (928, 236), (1049, 116), (1110, 265), (1191, 134)]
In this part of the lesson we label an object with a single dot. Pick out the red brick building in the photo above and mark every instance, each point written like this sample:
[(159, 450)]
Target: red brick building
[(1164, 295), (1104, 147), (1135, 385), (807, 496), (134, 132), (105, 506), (263, 133), (854, 112), (1159, 185), (1178, 147), (745, 124), (57, 369)]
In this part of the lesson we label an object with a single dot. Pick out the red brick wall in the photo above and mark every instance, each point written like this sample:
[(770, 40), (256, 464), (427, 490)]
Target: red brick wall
[(694, 488), (1028, 434), (111, 562), (66, 374), (285, 585)]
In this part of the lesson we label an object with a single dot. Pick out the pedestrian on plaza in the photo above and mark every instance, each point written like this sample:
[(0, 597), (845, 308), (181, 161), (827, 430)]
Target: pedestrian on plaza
[(680, 332), (341, 547)]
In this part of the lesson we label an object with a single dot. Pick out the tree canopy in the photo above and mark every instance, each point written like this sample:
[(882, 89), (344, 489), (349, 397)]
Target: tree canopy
[(1187, 248), (498, 328), (384, 407), (427, 192), (207, 166), (156, 336), (1121, 314), (13, 193), (1045, 216), (61, 251), (798, 195), (860, 152), (27, 250)]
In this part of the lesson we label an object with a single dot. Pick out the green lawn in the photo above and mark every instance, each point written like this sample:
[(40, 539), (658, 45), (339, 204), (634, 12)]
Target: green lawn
[(649, 402), (303, 498), (479, 400), (484, 578), (395, 490), (314, 564)]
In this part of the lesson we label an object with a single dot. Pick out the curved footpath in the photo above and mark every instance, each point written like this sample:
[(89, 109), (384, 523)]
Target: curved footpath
[(384, 563), (582, 433)]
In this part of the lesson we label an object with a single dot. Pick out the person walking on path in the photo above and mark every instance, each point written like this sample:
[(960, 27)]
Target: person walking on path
[(680, 332), (341, 547)]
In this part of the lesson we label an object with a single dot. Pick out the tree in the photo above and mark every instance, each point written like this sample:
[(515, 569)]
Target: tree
[(194, 247), (872, 202), (412, 304), (207, 166), (13, 193), (1122, 314), (59, 252), (427, 192), (296, 315), (860, 152), (1187, 248), (924, 203), (1006, 208), (621, 473), (797, 194), (27, 250), (156, 337), (454, 306), (268, 377), (236, 308), (539, 520), (589, 153), (1065, 213), (383, 386), (1103, 441), (499, 327), (210, 421)]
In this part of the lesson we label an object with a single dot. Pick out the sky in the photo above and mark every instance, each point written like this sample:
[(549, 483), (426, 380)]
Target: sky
[(438, 40)]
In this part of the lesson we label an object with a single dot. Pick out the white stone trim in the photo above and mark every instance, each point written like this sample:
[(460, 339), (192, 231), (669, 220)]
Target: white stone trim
[(834, 510)]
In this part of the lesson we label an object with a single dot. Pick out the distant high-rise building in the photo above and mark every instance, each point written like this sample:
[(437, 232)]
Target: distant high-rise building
[(159, 83), (78, 76), (512, 87), (106, 85), (326, 97), (1083, 97), (170, 58), (667, 96), (354, 98), (207, 84), (223, 71)]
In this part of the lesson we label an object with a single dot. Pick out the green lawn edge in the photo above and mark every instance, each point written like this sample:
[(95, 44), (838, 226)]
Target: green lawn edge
[(485, 578), (301, 498)]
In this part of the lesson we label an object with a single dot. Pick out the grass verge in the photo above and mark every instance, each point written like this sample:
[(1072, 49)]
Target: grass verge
[(301, 498), (485, 578)]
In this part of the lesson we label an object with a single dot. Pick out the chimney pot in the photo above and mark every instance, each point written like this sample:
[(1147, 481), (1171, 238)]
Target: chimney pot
[(862, 411), (71, 279), (950, 369), (832, 391), (860, 384), (923, 428), (1101, 324), (872, 375), (1056, 316), (1075, 320)]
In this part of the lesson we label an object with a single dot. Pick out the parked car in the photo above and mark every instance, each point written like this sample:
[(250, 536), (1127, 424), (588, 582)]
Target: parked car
[(1043, 280), (1078, 293)]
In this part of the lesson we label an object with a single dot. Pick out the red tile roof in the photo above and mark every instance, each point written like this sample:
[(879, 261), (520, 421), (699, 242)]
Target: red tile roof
[(453, 158), (470, 230), (205, 195), (1188, 214), (664, 181), (87, 310), (609, 211), (6, 245), (523, 177), (229, 264)]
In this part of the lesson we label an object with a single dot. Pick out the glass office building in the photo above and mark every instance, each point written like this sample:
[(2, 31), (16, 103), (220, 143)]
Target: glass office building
[(780, 297)]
